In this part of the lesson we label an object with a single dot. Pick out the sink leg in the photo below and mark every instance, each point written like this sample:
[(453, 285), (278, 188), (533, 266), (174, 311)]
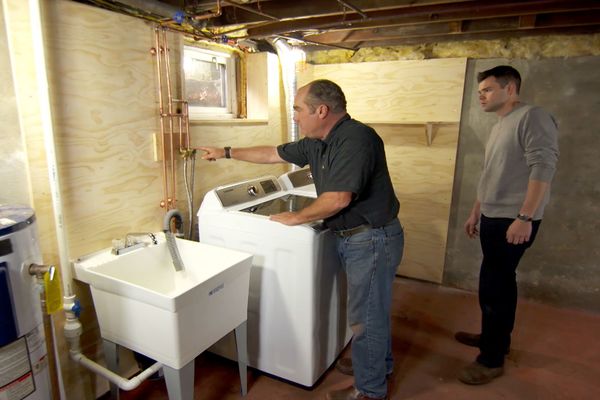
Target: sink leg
[(111, 355), (180, 382), (242, 355)]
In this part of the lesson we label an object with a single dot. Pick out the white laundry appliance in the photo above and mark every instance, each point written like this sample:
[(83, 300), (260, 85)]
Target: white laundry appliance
[(297, 322), (299, 181)]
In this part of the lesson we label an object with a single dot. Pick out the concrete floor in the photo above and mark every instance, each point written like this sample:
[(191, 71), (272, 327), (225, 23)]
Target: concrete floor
[(555, 354)]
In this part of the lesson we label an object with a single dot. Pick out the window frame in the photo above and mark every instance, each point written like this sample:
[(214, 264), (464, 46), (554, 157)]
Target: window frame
[(230, 110)]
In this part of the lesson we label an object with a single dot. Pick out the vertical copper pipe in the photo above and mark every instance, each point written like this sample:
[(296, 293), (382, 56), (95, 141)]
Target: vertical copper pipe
[(158, 50), (186, 123), (170, 111), (184, 129), (180, 125)]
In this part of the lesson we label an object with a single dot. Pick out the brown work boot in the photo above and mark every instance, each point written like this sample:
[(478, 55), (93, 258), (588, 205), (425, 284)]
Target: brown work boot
[(344, 365), (478, 374), (350, 393)]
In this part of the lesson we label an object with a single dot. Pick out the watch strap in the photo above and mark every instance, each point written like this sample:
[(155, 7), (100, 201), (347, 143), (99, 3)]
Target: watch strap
[(227, 151), (525, 218)]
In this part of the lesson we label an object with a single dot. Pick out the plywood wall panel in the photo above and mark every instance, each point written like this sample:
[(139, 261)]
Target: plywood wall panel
[(392, 96), (104, 107), (399, 91), (422, 176)]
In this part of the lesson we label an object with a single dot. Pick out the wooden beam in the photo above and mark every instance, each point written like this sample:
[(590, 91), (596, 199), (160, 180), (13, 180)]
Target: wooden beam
[(427, 32), (292, 9), (415, 40), (527, 21), (425, 14)]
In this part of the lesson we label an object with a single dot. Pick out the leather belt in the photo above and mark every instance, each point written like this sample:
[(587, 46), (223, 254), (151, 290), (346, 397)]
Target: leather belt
[(353, 231)]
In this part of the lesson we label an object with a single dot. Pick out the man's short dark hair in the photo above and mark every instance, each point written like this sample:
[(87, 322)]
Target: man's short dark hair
[(324, 91), (503, 74)]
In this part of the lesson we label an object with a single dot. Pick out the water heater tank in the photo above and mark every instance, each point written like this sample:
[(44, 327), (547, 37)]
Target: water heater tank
[(23, 355)]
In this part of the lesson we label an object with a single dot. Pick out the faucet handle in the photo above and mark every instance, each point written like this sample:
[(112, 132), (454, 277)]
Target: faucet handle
[(130, 240), (118, 244)]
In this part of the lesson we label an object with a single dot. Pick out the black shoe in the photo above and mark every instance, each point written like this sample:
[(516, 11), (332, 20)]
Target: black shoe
[(471, 339)]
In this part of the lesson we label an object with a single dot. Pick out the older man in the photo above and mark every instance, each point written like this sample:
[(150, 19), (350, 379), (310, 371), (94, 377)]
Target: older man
[(356, 200)]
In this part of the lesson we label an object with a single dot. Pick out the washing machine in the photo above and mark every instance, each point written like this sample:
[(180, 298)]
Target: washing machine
[(297, 322)]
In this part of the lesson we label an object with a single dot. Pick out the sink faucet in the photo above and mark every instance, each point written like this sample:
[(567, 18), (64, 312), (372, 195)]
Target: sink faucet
[(130, 242), (130, 237)]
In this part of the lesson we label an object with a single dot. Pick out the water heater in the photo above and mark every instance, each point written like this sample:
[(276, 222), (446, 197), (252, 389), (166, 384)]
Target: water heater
[(23, 355)]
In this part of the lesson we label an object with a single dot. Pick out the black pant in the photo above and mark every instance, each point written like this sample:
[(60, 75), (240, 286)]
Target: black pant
[(498, 287)]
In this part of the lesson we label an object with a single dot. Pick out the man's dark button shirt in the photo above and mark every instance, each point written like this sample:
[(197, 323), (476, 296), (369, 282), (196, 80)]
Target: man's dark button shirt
[(350, 159)]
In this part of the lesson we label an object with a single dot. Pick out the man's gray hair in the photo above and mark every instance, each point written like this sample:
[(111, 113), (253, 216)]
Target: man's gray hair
[(324, 91)]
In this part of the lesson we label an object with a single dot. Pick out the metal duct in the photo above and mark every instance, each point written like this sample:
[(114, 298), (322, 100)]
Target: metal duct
[(288, 73)]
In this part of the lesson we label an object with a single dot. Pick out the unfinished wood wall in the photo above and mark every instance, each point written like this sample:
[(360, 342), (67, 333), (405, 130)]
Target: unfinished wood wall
[(398, 98), (102, 85)]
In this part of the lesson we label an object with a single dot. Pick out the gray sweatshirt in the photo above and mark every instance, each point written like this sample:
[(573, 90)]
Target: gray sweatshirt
[(523, 146)]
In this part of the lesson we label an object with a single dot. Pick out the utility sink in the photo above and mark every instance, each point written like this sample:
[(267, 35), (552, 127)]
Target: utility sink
[(143, 304)]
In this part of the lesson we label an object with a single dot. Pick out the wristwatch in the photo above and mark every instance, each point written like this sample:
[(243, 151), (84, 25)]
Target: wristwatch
[(524, 218), (227, 151)]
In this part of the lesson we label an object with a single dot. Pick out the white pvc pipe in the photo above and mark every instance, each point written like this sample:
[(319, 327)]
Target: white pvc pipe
[(72, 324), (46, 119), (48, 132), (125, 384)]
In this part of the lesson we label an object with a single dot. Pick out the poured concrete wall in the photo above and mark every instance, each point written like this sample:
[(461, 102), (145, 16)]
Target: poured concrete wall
[(563, 266)]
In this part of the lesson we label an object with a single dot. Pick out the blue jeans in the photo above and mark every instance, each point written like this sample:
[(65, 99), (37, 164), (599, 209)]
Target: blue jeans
[(370, 260)]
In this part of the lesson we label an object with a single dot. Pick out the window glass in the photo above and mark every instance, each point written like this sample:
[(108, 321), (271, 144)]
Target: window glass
[(209, 83)]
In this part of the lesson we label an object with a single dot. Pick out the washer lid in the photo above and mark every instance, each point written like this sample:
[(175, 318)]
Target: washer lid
[(14, 218), (289, 202)]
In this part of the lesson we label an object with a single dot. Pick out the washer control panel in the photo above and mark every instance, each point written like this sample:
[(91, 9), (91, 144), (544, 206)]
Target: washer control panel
[(247, 191)]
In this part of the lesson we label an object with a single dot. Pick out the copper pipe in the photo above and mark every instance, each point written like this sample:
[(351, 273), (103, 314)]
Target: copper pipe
[(210, 15), (170, 110), (157, 52), (183, 126), (186, 120)]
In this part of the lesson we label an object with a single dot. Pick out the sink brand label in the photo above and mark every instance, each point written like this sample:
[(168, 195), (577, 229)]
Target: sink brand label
[(217, 289)]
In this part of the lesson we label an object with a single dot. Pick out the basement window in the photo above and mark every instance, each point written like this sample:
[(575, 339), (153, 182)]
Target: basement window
[(209, 84)]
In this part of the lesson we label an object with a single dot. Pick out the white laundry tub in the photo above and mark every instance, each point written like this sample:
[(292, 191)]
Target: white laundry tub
[(143, 304)]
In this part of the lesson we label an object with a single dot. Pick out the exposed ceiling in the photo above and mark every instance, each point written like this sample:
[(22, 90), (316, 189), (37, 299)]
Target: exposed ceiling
[(352, 24)]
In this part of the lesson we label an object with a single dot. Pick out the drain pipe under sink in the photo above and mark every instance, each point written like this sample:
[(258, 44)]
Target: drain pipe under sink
[(125, 384)]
